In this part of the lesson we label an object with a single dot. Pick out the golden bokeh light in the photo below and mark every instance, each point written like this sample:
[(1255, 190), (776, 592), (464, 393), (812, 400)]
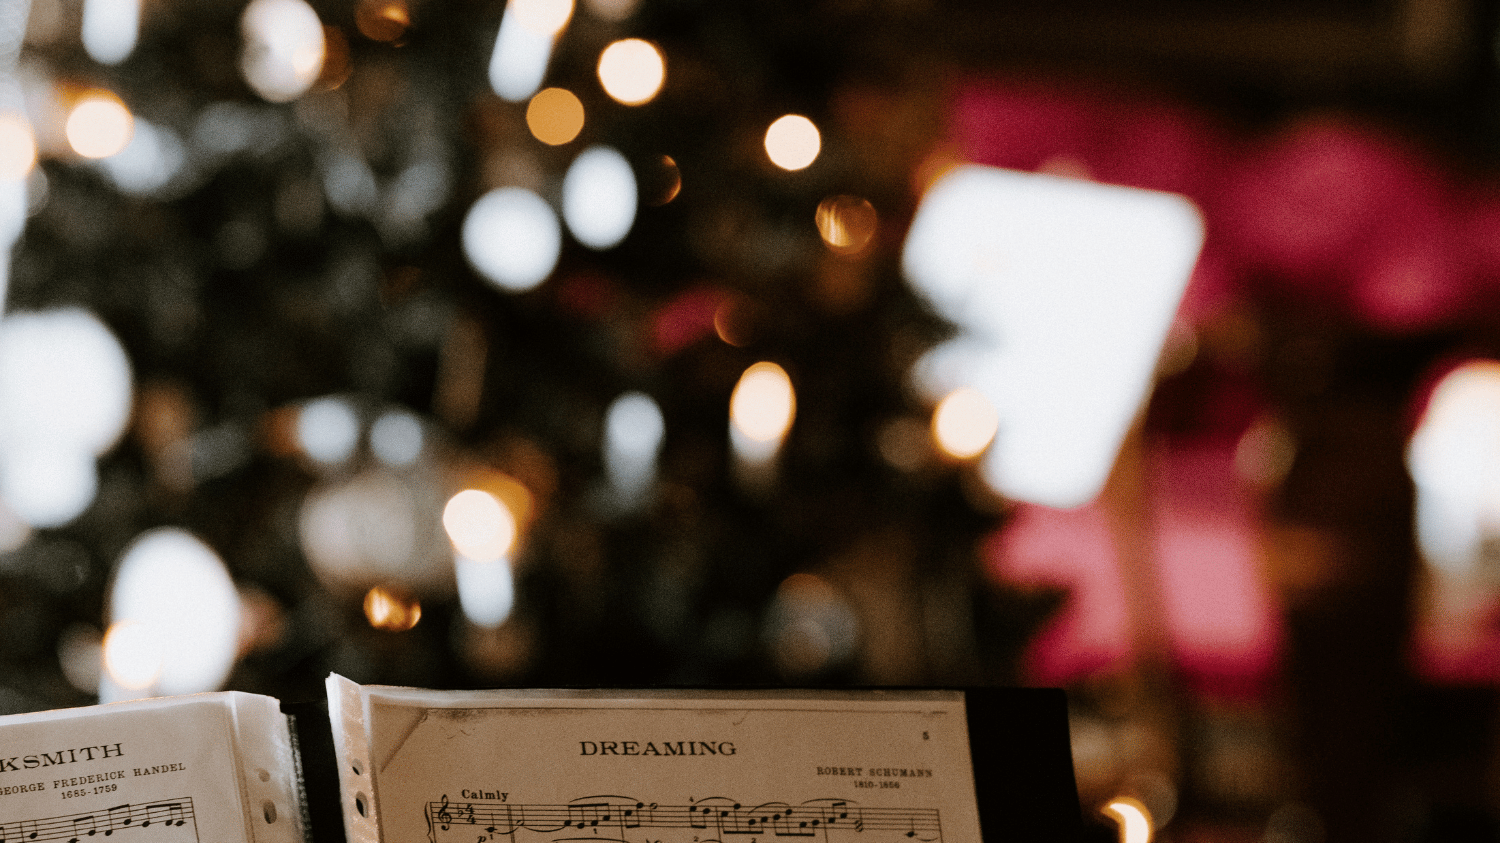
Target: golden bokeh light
[(99, 125), (735, 320), (132, 654), (17, 145), (555, 116), (382, 20), (793, 142), (543, 17), (763, 404), (662, 183), (1134, 819), (390, 610), (479, 525), (632, 71), (846, 223), (964, 423)]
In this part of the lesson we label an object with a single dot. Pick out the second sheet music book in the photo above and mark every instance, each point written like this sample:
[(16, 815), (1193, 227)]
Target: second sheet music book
[(404, 765)]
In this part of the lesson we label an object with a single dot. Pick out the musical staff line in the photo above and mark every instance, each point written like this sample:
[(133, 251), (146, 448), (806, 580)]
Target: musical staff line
[(85, 826), (614, 818)]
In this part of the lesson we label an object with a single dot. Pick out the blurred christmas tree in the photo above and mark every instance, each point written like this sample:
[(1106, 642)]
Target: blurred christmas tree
[(329, 262)]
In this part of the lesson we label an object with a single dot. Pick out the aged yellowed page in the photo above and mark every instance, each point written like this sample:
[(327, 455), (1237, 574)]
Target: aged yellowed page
[(653, 767), (211, 768)]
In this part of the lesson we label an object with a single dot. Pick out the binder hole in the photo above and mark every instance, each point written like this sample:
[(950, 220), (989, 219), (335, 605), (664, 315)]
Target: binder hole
[(270, 810), (358, 770), (359, 803), (263, 775)]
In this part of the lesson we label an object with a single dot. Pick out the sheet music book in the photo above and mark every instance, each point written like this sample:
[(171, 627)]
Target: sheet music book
[(208, 768), (405, 765), (657, 766)]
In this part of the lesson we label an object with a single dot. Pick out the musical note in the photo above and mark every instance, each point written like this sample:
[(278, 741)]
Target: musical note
[(593, 813), (79, 822), (114, 820), (172, 810), (633, 817)]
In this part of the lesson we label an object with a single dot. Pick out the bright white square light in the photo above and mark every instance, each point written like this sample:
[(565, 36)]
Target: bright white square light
[(1065, 290)]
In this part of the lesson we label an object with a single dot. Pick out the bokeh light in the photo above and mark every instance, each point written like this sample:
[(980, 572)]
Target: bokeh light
[(519, 60), (632, 71), (1454, 459), (175, 586), (964, 423), (543, 17), (371, 527), (633, 432), (149, 162), (65, 396), (80, 654), (793, 142), (511, 236), (284, 48), (47, 484), (132, 655), (486, 590), (810, 626), (110, 28), (396, 438), (1133, 818), (599, 197), (613, 11), (328, 429), (846, 223), (555, 116), (17, 145), (63, 378), (391, 610), (382, 20), (662, 181), (763, 404), (99, 125), (479, 525)]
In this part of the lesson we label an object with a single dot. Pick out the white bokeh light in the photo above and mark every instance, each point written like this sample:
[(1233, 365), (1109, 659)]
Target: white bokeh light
[(793, 142), (46, 484), (65, 396), (633, 431), (284, 48), (511, 237), (1454, 459), (110, 28), (396, 438), (1065, 290), (174, 586), (486, 589), (632, 71), (523, 46), (599, 197), (328, 429), (153, 158)]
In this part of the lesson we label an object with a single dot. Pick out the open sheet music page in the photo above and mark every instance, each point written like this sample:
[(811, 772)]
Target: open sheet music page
[(211, 768), (653, 767)]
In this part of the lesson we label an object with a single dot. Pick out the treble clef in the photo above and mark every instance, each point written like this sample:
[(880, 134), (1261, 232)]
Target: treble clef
[(443, 817)]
